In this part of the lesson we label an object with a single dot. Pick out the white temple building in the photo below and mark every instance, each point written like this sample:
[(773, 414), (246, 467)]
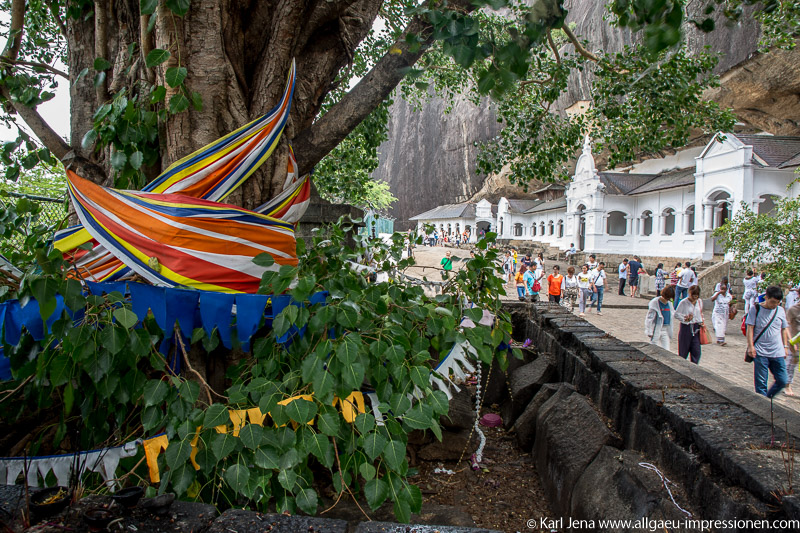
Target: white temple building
[(660, 207)]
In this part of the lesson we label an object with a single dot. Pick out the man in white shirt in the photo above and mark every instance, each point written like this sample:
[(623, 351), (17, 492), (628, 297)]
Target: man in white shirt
[(592, 263), (686, 279), (598, 284), (622, 270)]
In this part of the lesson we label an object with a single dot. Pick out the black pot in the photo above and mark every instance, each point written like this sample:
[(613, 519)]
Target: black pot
[(129, 497), (98, 519), (53, 507)]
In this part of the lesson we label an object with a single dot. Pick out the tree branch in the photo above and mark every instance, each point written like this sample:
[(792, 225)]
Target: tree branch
[(316, 141), (50, 139), (17, 25), (553, 45), (578, 46), (101, 43), (35, 64), (57, 17)]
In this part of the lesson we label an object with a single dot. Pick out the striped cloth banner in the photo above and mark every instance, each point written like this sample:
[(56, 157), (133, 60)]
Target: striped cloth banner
[(209, 174)]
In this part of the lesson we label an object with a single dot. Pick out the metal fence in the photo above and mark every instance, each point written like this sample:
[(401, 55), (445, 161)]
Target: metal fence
[(52, 211)]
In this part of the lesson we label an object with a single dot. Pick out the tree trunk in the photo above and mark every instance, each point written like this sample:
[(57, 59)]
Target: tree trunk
[(237, 54)]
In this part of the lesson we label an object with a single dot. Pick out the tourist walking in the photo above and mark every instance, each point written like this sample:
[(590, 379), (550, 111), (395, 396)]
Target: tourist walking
[(634, 269), (507, 267), (622, 271), (598, 286), (570, 289), (750, 283), (719, 316), (554, 284), (690, 314), (520, 279), (584, 282), (675, 275), (661, 278), (527, 261), (768, 342), (658, 322), (447, 265), (793, 318), (532, 285), (686, 279), (592, 262)]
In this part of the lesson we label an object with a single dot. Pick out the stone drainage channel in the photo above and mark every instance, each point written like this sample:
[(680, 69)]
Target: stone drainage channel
[(613, 432)]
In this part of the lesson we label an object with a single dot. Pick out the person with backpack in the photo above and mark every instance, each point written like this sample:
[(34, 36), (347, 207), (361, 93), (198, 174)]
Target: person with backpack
[(532, 285), (768, 342)]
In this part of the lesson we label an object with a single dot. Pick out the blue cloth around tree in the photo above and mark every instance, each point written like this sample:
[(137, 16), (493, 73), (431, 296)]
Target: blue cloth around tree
[(215, 312)]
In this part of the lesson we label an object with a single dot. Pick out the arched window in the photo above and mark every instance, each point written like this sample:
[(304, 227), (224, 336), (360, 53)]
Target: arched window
[(550, 226), (533, 229), (501, 225), (689, 229), (722, 208), (541, 228), (616, 223), (560, 228), (669, 221), (517, 230), (647, 223)]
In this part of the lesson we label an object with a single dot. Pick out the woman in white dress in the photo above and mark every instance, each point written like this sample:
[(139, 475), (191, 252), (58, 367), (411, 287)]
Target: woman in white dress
[(719, 316), (750, 290)]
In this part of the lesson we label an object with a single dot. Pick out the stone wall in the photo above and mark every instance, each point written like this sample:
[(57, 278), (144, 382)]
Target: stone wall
[(608, 407)]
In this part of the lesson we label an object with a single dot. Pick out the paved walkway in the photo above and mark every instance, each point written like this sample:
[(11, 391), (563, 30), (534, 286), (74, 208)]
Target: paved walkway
[(623, 317)]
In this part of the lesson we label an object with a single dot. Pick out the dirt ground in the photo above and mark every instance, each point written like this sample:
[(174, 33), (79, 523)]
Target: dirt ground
[(503, 495)]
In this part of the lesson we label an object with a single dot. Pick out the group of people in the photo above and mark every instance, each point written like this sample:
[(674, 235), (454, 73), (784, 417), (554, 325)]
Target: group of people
[(767, 326), (434, 239)]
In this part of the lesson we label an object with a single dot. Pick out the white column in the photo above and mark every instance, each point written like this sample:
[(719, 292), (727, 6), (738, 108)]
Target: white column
[(708, 215)]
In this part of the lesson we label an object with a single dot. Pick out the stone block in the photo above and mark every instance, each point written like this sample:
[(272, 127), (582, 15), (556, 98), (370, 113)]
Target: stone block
[(252, 522), (461, 414), (524, 383), (629, 491), (569, 434), (525, 426)]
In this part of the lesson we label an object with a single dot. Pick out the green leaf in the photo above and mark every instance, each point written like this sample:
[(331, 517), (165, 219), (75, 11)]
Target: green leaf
[(367, 471), (287, 479), (148, 7), (114, 338), (155, 391), (418, 417), (182, 478), (307, 501), (347, 351), (101, 64), (396, 354), (151, 417), (178, 104), (118, 160), (158, 94), (216, 415), (420, 375), (394, 453), (136, 159), (266, 457), (301, 411), (374, 444), (156, 57), (251, 436), (237, 476), (319, 445), (264, 260), (438, 402), (223, 444), (179, 7), (60, 369), (125, 317), (175, 76), (376, 492), (88, 140), (178, 452), (364, 423), (289, 460), (328, 423), (353, 375), (197, 104)]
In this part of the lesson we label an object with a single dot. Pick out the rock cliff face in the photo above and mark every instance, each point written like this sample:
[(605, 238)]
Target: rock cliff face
[(430, 156)]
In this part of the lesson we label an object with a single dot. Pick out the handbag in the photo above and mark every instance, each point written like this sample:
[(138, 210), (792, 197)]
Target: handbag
[(747, 357), (536, 286), (732, 314), (705, 338)]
